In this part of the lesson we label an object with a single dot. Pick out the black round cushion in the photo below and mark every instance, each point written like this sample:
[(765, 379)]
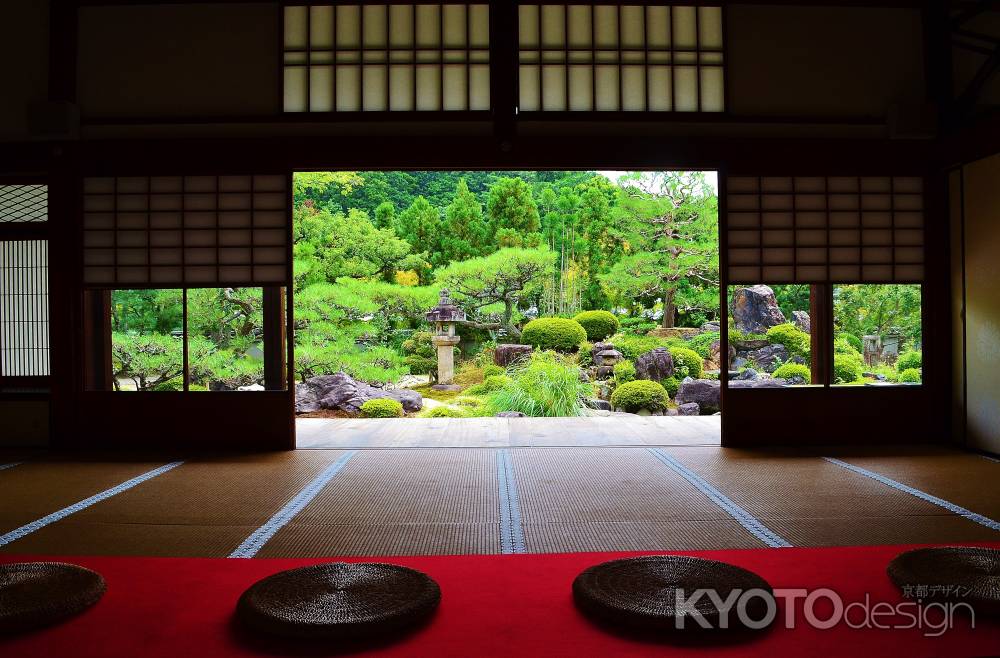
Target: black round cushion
[(37, 594), (953, 573), (641, 593), (339, 600)]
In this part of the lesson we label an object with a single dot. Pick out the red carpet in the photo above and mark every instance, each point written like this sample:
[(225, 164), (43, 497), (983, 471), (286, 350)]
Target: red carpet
[(504, 606)]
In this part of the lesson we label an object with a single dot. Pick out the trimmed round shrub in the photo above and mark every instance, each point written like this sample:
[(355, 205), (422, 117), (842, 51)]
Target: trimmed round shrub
[(443, 412), (560, 334), (671, 384), (598, 324), (624, 371), (687, 363), (792, 370), (640, 394), (492, 369), (794, 339), (910, 360), (382, 408), (910, 375), (853, 341), (847, 368)]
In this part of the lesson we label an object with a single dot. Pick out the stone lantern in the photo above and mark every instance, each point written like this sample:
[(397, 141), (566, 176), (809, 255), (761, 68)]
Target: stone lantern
[(444, 317)]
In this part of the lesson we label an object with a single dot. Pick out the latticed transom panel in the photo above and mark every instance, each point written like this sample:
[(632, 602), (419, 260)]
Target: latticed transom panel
[(386, 58), (198, 231), (606, 57), (24, 203), (842, 229)]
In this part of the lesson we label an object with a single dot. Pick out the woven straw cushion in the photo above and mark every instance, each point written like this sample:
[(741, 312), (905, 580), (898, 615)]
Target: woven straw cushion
[(640, 593), (342, 600), (36, 594), (951, 573)]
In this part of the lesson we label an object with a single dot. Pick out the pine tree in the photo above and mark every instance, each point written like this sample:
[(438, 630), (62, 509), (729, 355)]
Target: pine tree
[(464, 233)]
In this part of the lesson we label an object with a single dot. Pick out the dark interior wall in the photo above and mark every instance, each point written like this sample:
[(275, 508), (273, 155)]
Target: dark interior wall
[(982, 302), (196, 60), (824, 61), (24, 51)]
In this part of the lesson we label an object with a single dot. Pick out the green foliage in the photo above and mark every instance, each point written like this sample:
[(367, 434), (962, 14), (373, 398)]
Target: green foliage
[(687, 363), (792, 370), (502, 278), (465, 230), (842, 345), (794, 339), (889, 372), (491, 369), (847, 368), (910, 360), (638, 326), (491, 384), (559, 334), (585, 355), (624, 371), (420, 226), (382, 408), (877, 310), (150, 361), (910, 375), (146, 311), (852, 340), (444, 412), (632, 347), (671, 385), (420, 354), (512, 209), (640, 394), (702, 343), (598, 324), (546, 385)]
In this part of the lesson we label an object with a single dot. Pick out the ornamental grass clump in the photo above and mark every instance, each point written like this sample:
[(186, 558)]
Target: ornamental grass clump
[(547, 385)]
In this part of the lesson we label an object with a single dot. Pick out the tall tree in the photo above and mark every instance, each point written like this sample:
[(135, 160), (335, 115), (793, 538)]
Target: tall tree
[(512, 210), (385, 215), (670, 221), (464, 233), (420, 225), (502, 278)]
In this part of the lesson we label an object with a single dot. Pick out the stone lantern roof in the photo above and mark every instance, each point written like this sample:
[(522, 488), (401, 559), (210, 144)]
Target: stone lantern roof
[(445, 311)]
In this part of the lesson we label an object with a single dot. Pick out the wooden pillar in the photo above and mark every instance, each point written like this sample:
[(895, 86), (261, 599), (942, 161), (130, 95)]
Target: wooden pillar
[(274, 338)]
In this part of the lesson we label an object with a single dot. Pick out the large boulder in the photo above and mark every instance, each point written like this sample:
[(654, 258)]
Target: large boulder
[(755, 310), (688, 409), (508, 353), (341, 391), (705, 392), (801, 320), (714, 361), (770, 382), (769, 358), (655, 365)]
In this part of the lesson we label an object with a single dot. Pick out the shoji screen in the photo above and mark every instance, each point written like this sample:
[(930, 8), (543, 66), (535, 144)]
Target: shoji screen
[(165, 231), (784, 229), (386, 57), (24, 308), (595, 57)]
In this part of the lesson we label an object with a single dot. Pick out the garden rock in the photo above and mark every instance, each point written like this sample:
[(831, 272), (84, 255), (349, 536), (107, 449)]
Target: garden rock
[(738, 363), (688, 409), (705, 392), (510, 414), (341, 391), (603, 372), (508, 353), (597, 348), (755, 310), (801, 320), (655, 365), (714, 361), (748, 375), (770, 382), (603, 405), (770, 357), (710, 326)]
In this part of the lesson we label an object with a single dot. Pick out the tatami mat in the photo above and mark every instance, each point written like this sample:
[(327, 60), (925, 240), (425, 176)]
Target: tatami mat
[(417, 501), (37, 488)]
